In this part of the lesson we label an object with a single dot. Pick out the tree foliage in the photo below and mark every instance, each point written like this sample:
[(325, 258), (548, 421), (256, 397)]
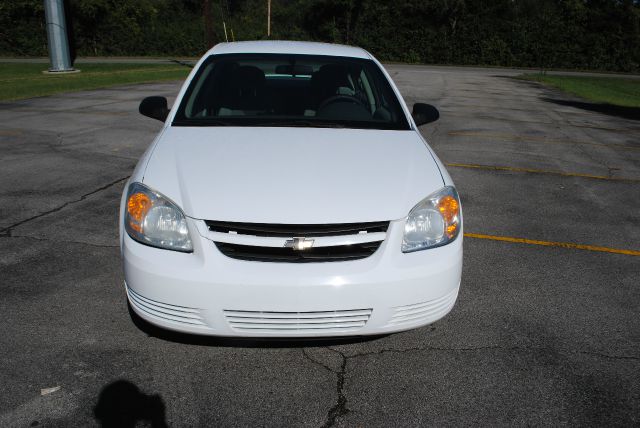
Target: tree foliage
[(585, 34)]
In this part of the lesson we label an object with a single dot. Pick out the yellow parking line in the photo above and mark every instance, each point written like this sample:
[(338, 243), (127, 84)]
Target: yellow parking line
[(514, 137), (539, 171), (553, 244)]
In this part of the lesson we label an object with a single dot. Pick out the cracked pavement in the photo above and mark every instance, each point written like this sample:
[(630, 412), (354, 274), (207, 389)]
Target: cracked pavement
[(539, 335)]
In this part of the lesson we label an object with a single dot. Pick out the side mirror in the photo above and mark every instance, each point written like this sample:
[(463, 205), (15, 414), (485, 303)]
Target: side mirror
[(155, 108), (424, 113)]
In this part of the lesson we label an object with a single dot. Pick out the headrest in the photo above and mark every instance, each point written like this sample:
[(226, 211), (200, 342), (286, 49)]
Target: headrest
[(248, 76), (334, 75)]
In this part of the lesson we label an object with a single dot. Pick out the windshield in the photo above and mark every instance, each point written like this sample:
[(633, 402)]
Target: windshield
[(290, 90)]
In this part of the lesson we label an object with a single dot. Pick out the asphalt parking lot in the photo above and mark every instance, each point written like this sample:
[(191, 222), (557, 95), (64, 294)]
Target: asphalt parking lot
[(545, 332)]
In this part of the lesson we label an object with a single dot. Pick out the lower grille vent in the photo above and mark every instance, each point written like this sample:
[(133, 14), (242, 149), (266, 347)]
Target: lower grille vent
[(165, 311), (423, 312), (298, 322)]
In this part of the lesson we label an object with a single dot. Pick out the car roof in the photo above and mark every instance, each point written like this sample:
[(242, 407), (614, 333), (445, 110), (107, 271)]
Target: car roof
[(289, 47)]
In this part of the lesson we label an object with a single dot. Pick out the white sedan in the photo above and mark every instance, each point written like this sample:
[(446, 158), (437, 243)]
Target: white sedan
[(290, 194)]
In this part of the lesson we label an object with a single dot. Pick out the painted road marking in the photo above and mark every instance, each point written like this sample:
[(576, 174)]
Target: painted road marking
[(553, 244), (513, 137), (540, 171)]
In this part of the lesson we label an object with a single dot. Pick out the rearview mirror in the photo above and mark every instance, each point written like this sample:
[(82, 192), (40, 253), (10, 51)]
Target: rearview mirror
[(424, 113), (155, 108)]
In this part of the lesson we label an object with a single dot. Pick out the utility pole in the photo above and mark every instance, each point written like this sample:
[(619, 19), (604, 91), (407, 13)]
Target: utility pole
[(57, 37), (268, 18), (208, 24)]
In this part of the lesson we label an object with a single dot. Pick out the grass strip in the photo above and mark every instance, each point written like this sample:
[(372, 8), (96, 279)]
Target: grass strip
[(617, 91), (22, 80)]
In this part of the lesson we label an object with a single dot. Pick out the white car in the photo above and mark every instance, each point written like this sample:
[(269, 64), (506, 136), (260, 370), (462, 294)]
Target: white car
[(290, 194)]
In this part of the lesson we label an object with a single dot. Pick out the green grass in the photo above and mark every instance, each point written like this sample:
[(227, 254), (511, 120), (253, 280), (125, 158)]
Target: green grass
[(21, 80), (617, 91)]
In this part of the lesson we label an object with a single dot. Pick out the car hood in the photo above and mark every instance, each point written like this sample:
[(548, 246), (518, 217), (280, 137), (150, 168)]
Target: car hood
[(292, 175)]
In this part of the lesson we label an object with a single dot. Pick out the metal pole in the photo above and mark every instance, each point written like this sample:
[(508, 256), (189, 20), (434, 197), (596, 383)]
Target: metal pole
[(268, 18), (57, 36), (208, 24)]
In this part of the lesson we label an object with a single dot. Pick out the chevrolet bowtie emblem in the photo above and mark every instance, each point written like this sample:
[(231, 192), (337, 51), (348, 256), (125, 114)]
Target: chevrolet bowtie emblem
[(299, 243)]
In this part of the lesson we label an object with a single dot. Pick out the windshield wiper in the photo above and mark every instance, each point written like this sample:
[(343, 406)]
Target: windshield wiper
[(302, 123), (201, 122)]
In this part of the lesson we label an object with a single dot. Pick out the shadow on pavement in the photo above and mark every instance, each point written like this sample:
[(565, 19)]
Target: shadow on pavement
[(194, 339), (121, 404), (632, 113)]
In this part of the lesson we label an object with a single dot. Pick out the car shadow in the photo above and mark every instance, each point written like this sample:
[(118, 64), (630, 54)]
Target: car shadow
[(632, 113), (121, 404), (224, 342)]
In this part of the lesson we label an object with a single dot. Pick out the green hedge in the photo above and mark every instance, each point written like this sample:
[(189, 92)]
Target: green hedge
[(581, 34)]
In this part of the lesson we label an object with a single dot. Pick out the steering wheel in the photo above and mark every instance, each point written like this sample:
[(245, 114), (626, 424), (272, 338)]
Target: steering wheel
[(341, 99)]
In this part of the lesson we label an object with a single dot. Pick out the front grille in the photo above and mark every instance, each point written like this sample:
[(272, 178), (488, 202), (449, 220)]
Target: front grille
[(317, 253), (291, 230), (297, 322)]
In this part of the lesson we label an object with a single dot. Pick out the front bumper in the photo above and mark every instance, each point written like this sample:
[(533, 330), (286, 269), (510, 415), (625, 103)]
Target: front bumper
[(209, 293)]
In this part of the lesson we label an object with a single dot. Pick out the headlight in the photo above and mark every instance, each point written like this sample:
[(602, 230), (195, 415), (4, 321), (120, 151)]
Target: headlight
[(434, 222), (152, 219)]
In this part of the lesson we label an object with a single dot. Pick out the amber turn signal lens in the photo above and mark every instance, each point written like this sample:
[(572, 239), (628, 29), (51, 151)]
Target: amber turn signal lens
[(449, 208), (137, 206), (451, 230)]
